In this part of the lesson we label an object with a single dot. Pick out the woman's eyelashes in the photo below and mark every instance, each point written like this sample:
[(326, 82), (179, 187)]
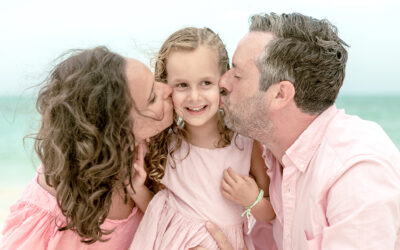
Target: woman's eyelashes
[(153, 99)]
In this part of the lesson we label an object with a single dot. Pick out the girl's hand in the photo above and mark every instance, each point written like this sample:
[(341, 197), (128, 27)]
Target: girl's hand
[(242, 190), (140, 175)]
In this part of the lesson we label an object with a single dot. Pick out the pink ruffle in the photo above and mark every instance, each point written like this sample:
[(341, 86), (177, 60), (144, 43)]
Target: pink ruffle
[(163, 227), (33, 224)]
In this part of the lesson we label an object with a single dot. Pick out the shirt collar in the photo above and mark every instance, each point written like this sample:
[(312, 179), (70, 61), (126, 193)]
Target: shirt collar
[(302, 150)]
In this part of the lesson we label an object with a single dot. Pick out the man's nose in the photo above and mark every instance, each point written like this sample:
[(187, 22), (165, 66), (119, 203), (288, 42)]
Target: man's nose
[(224, 83)]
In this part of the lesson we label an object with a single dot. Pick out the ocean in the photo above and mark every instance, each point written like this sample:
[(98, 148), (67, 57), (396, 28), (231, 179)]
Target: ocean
[(18, 117)]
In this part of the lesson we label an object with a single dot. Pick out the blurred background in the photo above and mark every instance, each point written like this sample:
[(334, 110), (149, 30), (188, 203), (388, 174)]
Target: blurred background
[(35, 33)]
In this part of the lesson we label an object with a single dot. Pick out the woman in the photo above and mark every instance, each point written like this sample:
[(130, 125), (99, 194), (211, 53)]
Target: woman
[(96, 108)]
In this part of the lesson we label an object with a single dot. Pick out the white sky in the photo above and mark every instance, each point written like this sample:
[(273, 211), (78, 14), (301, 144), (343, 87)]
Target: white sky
[(35, 32)]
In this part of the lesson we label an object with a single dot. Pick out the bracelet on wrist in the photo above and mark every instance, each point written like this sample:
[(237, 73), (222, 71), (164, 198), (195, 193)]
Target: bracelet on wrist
[(247, 212)]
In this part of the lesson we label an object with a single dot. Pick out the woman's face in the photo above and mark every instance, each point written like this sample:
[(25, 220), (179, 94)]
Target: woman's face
[(152, 110)]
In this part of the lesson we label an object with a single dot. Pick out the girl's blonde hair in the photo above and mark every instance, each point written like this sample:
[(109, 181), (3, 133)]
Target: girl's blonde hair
[(187, 39)]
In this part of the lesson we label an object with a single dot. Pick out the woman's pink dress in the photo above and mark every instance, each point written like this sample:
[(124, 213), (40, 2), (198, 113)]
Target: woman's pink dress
[(175, 218), (33, 222)]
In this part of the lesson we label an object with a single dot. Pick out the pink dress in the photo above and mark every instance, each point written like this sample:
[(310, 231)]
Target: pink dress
[(176, 216), (33, 222)]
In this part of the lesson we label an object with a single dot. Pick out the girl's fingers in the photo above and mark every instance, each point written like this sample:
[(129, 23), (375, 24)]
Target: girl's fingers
[(140, 154), (226, 195), (226, 187), (128, 188), (139, 169), (228, 178), (249, 179), (233, 175)]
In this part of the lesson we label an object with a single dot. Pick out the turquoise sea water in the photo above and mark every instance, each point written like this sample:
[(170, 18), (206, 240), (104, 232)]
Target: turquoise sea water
[(18, 117)]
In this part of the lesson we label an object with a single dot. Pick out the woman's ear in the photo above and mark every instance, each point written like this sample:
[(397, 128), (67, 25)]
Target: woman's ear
[(282, 94)]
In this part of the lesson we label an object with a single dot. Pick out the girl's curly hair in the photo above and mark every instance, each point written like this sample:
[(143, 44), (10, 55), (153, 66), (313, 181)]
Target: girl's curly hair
[(85, 138), (187, 39)]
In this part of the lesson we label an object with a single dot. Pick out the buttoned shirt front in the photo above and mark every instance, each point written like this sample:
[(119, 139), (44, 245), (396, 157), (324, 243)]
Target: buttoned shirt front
[(338, 188)]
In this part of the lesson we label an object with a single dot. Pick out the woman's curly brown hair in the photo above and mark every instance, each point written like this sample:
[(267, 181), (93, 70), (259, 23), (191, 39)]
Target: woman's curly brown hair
[(85, 138), (187, 39)]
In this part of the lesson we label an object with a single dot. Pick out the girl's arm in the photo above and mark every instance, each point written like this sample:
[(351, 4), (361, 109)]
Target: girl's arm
[(141, 195), (263, 210), (258, 169), (244, 190)]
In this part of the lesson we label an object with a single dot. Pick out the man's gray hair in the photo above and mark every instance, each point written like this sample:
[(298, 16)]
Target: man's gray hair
[(305, 51)]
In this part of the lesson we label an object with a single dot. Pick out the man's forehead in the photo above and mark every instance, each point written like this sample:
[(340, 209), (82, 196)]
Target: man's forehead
[(251, 46)]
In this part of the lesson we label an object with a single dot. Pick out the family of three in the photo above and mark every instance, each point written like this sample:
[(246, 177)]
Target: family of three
[(207, 156)]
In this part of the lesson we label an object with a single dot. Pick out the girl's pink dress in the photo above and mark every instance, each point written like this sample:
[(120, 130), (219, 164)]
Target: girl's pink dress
[(33, 222), (175, 218)]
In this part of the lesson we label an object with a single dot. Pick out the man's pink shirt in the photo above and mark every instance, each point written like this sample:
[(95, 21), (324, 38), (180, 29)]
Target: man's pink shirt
[(339, 188)]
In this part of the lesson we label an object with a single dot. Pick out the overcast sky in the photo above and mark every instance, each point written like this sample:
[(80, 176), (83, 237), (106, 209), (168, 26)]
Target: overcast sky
[(34, 33)]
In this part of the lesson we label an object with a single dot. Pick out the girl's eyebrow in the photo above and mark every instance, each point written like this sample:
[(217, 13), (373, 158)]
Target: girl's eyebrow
[(176, 80)]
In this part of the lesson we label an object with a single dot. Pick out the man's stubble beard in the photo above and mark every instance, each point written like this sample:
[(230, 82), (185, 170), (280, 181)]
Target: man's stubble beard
[(248, 118)]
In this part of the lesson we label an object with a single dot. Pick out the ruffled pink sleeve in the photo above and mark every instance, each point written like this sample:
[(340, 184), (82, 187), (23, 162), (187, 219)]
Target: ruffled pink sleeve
[(27, 227), (34, 221)]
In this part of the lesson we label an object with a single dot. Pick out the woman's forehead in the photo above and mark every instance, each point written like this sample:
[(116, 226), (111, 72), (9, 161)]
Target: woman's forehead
[(139, 79)]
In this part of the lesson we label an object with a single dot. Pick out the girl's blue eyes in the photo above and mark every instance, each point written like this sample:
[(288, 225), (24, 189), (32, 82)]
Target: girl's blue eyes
[(181, 85), (205, 83), (184, 85)]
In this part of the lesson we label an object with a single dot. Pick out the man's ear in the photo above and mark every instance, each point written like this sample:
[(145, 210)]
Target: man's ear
[(282, 94)]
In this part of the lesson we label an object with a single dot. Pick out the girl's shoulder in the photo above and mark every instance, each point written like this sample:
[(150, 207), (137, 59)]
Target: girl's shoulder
[(242, 142)]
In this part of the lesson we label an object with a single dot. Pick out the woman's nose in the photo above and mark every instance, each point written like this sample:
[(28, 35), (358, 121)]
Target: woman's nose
[(167, 90)]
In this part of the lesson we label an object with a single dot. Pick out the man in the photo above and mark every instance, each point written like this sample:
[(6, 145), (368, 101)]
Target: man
[(335, 179)]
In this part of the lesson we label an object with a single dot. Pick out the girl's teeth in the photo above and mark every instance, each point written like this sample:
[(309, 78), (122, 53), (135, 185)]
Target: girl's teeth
[(196, 109)]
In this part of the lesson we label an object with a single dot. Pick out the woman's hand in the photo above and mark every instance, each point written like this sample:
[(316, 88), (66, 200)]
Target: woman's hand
[(242, 190)]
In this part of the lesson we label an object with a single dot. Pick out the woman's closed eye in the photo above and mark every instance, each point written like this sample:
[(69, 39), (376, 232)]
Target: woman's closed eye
[(153, 99)]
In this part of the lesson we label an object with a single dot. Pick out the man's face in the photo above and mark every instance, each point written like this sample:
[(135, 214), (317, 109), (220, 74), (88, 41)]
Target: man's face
[(245, 105)]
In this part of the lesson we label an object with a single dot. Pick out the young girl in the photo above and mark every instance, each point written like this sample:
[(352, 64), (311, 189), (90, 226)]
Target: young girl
[(200, 152)]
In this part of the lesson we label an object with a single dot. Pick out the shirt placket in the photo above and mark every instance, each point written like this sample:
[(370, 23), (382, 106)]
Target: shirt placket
[(289, 180)]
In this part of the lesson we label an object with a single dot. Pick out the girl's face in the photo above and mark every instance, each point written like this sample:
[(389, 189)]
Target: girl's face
[(152, 109), (193, 76)]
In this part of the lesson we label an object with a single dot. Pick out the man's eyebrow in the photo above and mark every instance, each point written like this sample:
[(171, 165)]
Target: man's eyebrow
[(234, 65), (150, 96)]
